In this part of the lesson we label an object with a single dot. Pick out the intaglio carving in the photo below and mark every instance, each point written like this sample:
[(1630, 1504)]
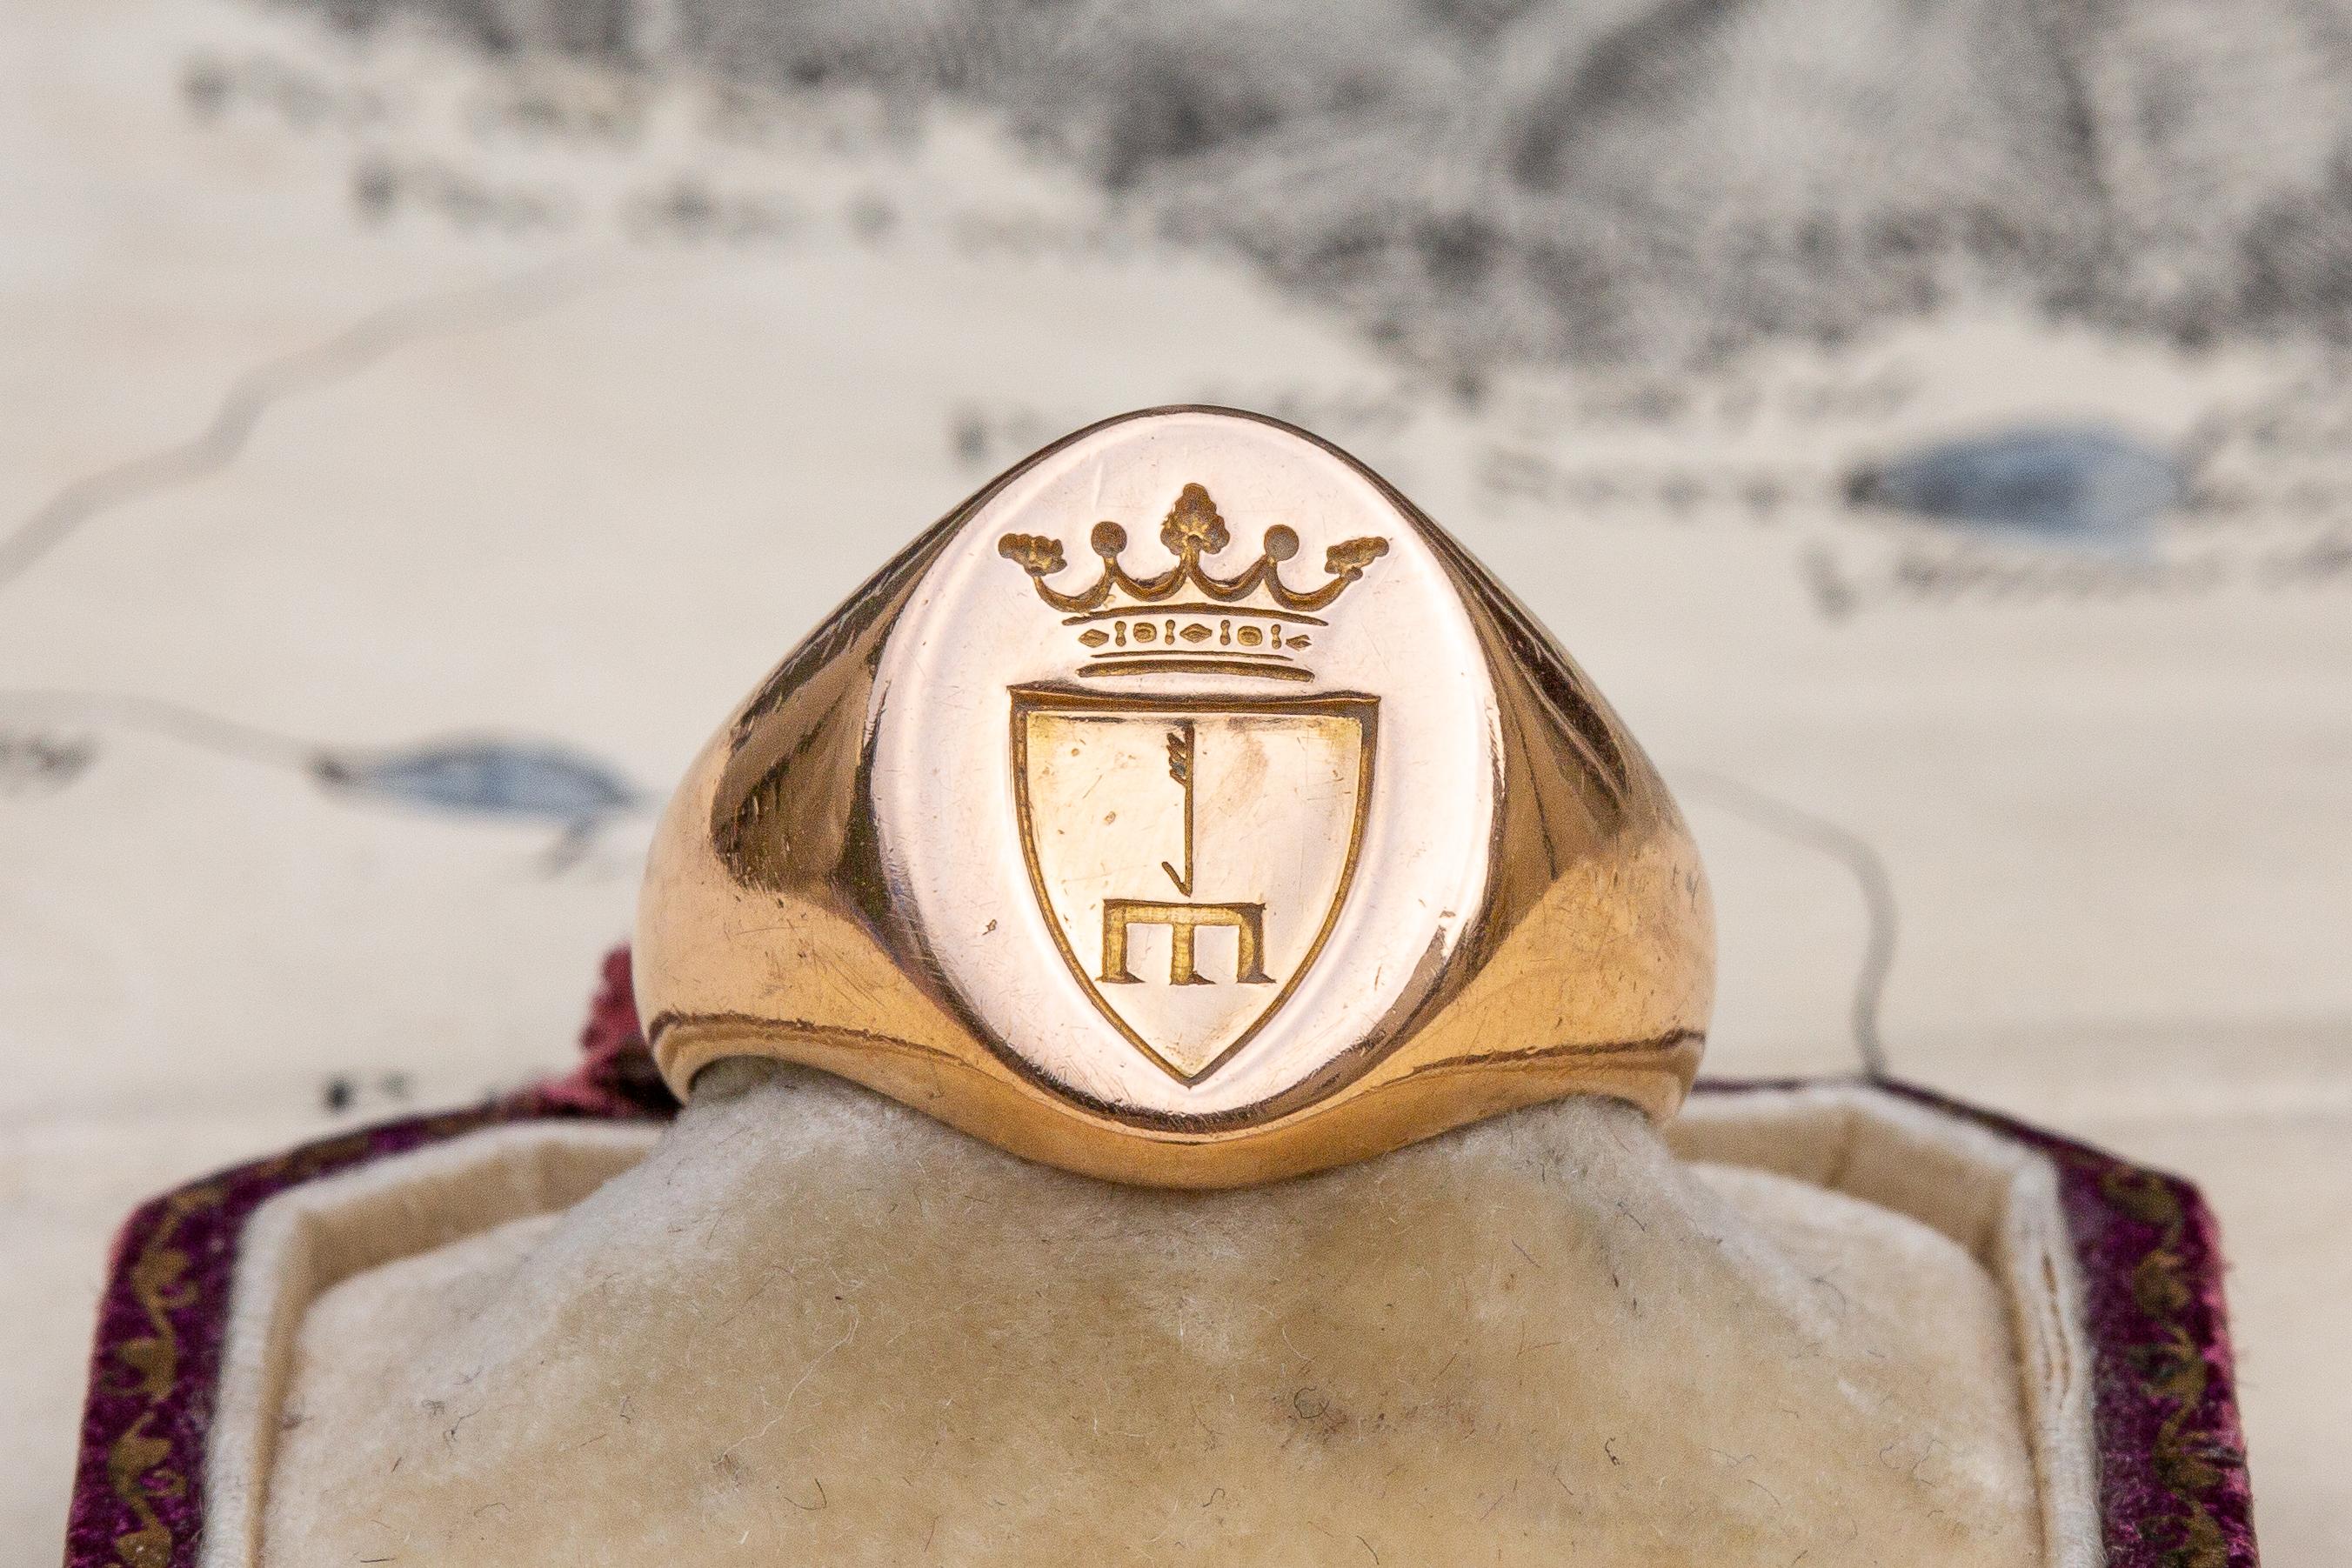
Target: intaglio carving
[(1252, 624), (1186, 864), (1260, 802)]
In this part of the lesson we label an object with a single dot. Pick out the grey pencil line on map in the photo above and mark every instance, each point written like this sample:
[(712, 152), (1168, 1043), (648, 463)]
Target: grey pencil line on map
[(226, 736), (1861, 861), (249, 397), (473, 775)]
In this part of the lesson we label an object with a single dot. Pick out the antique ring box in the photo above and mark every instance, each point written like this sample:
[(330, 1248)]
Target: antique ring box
[(1185, 1004)]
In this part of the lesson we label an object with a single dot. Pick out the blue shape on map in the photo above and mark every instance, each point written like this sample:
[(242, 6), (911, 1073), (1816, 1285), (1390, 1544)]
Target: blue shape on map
[(487, 777), (2083, 483)]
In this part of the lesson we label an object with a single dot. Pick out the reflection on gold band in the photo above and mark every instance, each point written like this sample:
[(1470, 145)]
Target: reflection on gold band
[(1181, 932)]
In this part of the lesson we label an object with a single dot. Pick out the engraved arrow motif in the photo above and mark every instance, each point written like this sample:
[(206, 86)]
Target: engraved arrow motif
[(1181, 742)]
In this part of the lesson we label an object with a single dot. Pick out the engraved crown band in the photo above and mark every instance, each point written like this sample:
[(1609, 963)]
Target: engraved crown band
[(1250, 624), (1192, 872)]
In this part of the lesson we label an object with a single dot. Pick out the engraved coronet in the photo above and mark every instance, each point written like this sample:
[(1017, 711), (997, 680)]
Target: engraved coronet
[(1251, 623)]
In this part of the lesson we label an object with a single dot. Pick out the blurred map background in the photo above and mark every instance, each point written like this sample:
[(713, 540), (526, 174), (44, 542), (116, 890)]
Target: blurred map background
[(1926, 423)]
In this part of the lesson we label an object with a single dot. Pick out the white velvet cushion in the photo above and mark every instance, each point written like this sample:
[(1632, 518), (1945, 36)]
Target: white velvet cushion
[(814, 1327)]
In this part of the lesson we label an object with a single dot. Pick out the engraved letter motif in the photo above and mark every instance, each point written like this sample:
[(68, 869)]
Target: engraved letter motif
[(1182, 920), (1258, 836)]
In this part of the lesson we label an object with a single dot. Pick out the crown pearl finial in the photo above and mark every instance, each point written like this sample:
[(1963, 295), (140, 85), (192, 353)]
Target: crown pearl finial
[(1107, 539), (1281, 542)]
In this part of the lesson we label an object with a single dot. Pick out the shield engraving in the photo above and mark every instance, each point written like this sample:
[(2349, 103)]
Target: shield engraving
[(1190, 854)]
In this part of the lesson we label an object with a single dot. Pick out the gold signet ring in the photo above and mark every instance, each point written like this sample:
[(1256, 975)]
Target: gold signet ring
[(1273, 836)]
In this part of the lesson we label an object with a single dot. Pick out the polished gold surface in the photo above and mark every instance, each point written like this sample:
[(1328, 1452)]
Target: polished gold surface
[(1195, 867)]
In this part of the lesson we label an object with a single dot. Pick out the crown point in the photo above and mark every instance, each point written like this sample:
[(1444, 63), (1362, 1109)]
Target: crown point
[(1194, 527), (1349, 557), (1038, 557)]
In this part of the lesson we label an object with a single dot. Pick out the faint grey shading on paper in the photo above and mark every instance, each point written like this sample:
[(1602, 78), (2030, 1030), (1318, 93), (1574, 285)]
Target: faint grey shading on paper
[(506, 777), (1487, 180)]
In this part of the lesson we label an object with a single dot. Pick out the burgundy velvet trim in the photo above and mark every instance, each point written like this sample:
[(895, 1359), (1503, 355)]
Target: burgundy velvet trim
[(2173, 1488), (138, 1496)]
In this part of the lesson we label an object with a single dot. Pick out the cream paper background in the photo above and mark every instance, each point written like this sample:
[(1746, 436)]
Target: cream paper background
[(550, 446)]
